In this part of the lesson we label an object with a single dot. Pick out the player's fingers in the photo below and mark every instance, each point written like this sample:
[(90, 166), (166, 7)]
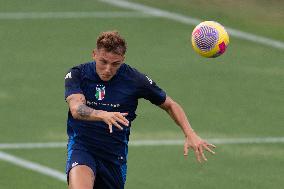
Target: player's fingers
[(202, 153), (208, 149), (185, 149), (110, 127), (116, 124), (124, 114), (211, 145), (122, 122), (121, 119), (197, 155)]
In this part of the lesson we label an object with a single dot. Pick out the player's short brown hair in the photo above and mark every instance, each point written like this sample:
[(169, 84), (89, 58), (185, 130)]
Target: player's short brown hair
[(111, 41)]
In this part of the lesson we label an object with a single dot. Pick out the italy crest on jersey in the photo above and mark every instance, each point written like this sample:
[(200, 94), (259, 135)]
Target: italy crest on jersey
[(100, 92)]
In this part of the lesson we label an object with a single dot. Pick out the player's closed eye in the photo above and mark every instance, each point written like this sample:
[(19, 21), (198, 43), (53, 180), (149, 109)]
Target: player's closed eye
[(103, 62), (116, 64)]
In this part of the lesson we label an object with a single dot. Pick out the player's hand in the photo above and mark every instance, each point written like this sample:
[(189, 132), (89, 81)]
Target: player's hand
[(113, 119), (198, 145)]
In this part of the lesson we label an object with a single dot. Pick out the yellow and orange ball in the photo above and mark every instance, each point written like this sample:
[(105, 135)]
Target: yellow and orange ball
[(209, 39)]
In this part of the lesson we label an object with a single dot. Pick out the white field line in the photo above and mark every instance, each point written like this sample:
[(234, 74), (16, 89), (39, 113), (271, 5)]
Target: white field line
[(68, 15), (193, 21), (62, 176), (32, 166), (268, 140), (32, 145)]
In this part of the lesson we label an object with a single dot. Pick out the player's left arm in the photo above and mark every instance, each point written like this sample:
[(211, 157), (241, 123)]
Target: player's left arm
[(192, 140)]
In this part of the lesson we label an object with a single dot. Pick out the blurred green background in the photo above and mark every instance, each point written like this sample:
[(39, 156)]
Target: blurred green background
[(237, 95)]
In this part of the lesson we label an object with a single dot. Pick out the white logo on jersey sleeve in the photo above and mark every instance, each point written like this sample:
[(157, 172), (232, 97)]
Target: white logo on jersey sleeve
[(149, 79), (74, 164), (68, 76)]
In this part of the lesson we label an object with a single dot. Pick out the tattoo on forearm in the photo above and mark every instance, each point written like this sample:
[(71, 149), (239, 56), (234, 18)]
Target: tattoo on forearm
[(84, 111)]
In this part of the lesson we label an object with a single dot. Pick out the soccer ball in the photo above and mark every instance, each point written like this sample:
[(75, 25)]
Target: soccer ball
[(209, 39)]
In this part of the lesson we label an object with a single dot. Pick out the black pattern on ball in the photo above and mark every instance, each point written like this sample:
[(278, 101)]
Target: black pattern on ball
[(206, 38)]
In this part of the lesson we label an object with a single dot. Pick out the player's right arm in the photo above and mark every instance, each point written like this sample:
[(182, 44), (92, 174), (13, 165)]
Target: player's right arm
[(79, 110), (77, 103)]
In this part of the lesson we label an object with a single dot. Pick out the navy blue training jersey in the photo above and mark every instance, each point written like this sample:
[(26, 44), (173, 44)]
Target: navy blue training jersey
[(120, 94)]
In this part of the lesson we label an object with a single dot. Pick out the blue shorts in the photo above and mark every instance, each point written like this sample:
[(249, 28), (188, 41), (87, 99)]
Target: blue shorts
[(107, 174)]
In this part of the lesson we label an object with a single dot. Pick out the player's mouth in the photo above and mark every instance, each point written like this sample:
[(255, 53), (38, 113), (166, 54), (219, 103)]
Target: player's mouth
[(106, 77)]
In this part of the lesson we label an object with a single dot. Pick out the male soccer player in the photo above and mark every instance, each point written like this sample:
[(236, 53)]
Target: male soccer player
[(103, 96)]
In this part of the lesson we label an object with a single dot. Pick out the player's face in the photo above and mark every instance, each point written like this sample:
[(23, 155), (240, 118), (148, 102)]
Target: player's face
[(107, 63)]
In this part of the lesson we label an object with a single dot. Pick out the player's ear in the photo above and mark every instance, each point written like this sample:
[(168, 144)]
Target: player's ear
[(94, 53)]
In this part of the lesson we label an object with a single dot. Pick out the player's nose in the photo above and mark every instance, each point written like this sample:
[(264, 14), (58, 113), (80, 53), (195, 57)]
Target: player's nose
[(108, 69)]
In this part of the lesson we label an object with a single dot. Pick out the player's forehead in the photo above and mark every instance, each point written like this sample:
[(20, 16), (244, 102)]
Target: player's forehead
[(109, 56)]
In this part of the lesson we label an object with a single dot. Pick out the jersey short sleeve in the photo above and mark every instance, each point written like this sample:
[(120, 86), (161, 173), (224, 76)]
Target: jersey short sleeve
[(151, 91), (73, 82)]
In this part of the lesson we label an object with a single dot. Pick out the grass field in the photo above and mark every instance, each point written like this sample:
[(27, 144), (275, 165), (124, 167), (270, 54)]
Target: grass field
[(238, 95)]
